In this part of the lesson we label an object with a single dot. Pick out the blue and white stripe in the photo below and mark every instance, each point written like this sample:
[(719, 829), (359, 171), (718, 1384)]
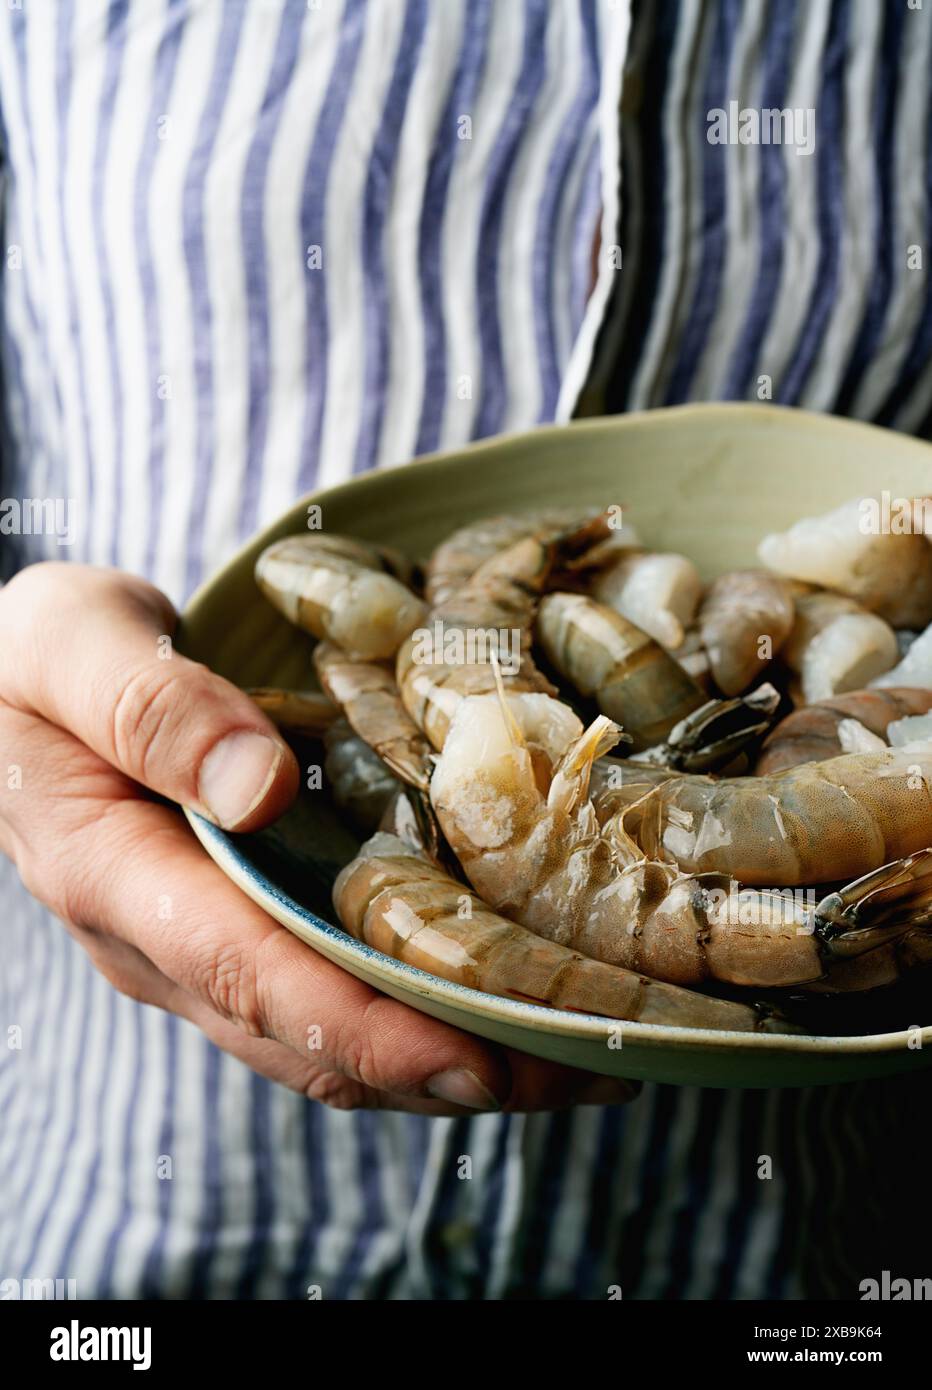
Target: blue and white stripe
[(172, 362)]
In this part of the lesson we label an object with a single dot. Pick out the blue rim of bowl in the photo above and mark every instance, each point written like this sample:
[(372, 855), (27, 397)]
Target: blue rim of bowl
[(222, 849), (263, 891)]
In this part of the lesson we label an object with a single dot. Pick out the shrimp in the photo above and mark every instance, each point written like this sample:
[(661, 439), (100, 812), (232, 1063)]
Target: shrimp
[(711, 738), (537, 854), (491, 615), (399, 903), (815, 823), (360, 783), (371, 703), (604, 655), (456, 559), (715, 734), (915, 668), (894, 903), (335, 587), (846, 550), (745, 618), (658, 592), (694, 659), (836, 645), (824, 730), (300, 711)]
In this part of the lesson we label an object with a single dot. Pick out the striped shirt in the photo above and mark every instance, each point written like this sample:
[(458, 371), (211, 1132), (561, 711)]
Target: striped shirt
[(253, 248)]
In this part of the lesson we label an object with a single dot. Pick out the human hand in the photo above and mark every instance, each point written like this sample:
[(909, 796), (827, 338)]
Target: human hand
[(96, 708)]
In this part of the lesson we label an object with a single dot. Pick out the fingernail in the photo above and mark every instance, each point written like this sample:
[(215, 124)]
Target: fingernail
[(236, 774), (608, 1090), (462, 1087)]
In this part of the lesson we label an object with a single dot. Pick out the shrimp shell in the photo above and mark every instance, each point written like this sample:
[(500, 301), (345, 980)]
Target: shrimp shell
[(633, 679), (812, 734), (398, 903), (815, 823), (456, 559), (740, 609), (501, 597), (371, 703), (341, 589)]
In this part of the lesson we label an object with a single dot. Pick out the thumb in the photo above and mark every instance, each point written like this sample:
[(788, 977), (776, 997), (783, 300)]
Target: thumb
[(91, 651)]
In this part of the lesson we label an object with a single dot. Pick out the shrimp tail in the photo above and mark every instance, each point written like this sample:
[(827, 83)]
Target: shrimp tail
[(894, 898), (873, 931), (713, 735)]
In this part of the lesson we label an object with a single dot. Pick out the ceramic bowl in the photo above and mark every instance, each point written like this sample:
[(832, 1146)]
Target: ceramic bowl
[(707, 480)]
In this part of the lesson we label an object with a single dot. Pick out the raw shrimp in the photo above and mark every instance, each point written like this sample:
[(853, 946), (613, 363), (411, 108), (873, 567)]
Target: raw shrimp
[(915, 669), (716, 734), (694, 659), (823, 730), (711, 738), (335, 587), (604, 655), (302, 711), (371, 703), (360, 783), (894, 903), (836, 645), (745, 618), (491, 615), (656, 591), (816, 823), (400, 904), (846, 550), (538, 855), (456, 559)]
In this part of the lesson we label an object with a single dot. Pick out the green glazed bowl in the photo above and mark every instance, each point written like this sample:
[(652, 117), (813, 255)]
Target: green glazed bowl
[(707, 480)]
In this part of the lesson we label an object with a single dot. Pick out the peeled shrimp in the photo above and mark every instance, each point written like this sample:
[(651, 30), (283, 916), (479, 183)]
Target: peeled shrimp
[(825, 730), (745, 618), (371, 703), (656, 591), (844, 549), (604, 655), (836, 645), (490, 616), (335, 587), (533, 849), (915, 669), (400, 904)]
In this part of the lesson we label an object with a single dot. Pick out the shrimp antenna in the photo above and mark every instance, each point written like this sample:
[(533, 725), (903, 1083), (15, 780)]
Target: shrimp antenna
[(514, 728)]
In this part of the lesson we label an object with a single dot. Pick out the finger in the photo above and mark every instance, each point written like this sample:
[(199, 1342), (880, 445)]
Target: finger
[(93, 654)]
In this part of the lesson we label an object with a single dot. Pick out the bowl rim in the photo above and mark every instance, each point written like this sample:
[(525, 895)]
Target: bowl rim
[(592, 1027)]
